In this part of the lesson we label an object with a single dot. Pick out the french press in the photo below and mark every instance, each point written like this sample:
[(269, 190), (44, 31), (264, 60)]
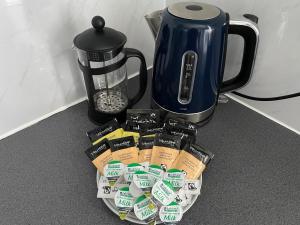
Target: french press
[(102, 60)]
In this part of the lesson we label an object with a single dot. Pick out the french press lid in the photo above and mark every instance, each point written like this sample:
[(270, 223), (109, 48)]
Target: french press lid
[(100, 39)]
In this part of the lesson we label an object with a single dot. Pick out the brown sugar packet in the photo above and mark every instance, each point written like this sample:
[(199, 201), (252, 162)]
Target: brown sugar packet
[(165, 150), (100, 155), (109, 130), (187, 130), (193, 159), (143, 116), (124, 149), (145, 147)]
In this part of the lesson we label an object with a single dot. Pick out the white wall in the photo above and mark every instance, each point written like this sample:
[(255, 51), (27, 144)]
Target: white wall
[(277, 69), (38, 70)]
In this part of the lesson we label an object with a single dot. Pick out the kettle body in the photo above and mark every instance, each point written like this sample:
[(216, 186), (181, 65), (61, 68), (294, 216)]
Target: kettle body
[(189, 60)]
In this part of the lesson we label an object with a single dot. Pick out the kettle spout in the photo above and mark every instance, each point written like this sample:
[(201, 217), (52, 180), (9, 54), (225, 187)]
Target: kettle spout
[(154, 19)]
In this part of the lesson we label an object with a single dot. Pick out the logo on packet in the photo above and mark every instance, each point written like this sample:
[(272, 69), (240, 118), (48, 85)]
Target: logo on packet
[(106, 189)]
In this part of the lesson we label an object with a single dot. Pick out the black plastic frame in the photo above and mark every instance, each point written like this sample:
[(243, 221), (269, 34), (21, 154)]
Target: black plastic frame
[(101, 117)]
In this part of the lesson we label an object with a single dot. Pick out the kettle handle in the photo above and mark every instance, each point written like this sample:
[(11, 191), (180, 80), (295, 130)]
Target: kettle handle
[(249, 32), (130, 52)]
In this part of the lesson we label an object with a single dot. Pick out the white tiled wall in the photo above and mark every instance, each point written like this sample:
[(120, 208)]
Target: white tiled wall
[(38, 70)]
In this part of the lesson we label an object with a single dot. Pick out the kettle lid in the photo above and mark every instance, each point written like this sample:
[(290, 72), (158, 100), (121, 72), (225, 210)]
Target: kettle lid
[(194, 10), (100, 39)]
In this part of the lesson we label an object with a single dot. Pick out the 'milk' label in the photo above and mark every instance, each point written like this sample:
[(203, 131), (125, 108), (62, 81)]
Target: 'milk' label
[(175, 177), (171, 213), (123, 199), (163, 192), (142, 180), (156, 172), (131, 169), (114, 169), (145, 209)]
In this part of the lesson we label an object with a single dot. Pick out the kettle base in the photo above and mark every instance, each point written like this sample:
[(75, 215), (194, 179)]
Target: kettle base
[(200, 118)]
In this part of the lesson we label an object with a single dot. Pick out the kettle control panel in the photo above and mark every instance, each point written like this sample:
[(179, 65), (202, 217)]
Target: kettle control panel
[(187, 77)]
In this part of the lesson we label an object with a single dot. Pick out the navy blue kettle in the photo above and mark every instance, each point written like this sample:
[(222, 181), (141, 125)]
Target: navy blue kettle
[(190, 52)]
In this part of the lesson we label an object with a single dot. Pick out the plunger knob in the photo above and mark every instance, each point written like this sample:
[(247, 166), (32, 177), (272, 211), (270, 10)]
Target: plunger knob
[(98, 23)]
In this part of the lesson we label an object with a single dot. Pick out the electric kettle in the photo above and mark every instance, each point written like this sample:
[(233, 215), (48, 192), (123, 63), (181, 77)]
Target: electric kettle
[(189, 60)]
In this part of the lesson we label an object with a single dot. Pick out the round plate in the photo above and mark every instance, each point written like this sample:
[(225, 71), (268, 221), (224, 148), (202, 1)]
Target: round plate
[(131, 217)]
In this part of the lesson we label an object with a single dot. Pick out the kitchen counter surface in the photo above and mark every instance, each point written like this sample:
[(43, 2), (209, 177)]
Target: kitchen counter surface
[(254, 178)]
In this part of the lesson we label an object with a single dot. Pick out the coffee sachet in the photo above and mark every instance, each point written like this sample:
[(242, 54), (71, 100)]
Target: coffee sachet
[(143, 116), (109, 130), (132, 129), (165, 150), (193, 159), (124, 150), (187, 130), (145, 149), (152, 130), (100, 155), (135, 135), (182, 124)]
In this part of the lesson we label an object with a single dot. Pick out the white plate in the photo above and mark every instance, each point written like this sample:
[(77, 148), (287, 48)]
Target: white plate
[(131, 217)]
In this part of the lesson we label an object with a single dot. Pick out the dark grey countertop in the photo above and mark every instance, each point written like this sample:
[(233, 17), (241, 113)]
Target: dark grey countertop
[(254, 178)]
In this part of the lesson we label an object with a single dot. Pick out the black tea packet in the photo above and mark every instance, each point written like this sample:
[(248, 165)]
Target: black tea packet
[(152, 130), (185, 129), (100, 155), (193, 159), (143, 116), (109, 130), (132, 126)]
